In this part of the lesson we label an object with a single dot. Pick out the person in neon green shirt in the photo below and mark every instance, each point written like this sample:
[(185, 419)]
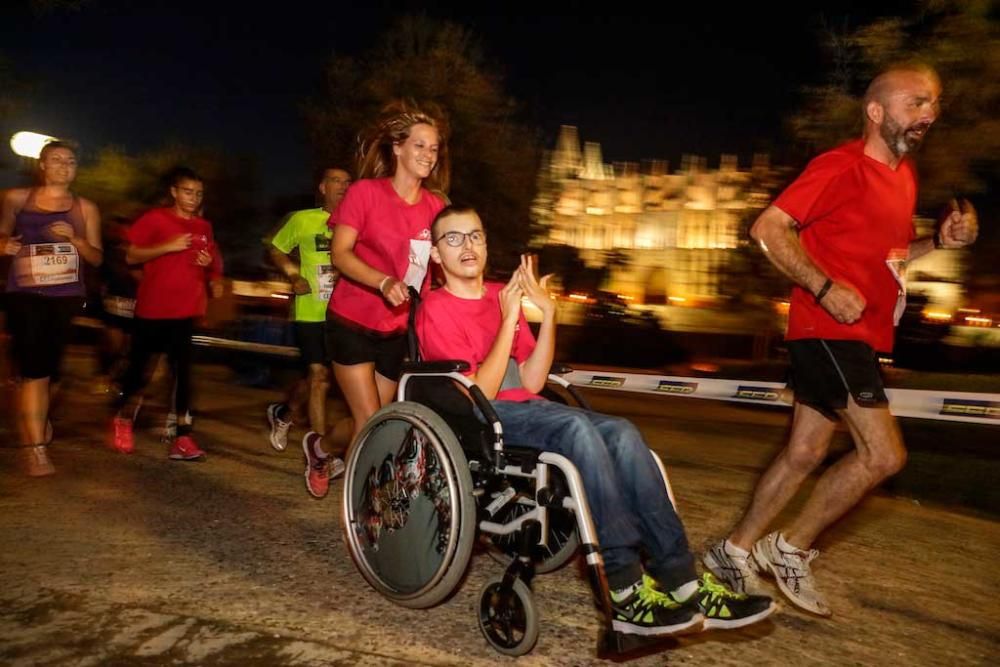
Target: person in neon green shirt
[(312, 277)]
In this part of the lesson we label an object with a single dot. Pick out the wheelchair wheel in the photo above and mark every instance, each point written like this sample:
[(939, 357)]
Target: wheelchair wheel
[(563, 540), (409, 513), (508, 621)]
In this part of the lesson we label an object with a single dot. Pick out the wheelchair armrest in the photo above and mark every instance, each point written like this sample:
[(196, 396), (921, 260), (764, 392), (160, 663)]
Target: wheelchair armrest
[(484, 405), (556, 377), (445, 366)]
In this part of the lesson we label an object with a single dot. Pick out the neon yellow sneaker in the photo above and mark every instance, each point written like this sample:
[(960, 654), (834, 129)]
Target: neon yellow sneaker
[(725, 609), (642, 609)]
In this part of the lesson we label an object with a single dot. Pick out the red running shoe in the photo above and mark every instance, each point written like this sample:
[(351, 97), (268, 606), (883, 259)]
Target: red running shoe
[(121, 435), (185, 449)]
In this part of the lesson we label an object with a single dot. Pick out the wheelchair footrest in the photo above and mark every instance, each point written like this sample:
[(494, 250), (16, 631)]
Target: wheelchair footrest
[(612, 643)]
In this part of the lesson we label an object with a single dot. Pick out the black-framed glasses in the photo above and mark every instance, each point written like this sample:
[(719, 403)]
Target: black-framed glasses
[(457, 239)]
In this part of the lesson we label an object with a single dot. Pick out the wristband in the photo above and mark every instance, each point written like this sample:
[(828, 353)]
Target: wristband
[(382, 284), (824, 289)]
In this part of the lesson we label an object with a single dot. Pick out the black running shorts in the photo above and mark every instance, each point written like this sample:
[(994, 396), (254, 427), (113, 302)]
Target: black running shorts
[(350, 345), (824, 372), (311, 339), (39, 328)]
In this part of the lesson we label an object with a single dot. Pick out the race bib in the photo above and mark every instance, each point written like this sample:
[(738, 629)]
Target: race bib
[(47, 264), (897, 266), (326, 277), (420, 252)]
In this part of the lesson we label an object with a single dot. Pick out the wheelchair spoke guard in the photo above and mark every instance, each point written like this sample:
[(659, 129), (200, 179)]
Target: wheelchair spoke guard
[(408, 505)]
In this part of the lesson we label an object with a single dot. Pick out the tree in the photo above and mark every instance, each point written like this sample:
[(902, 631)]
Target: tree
[(961, 38), (569, 269), (961, 155), (495, 159)]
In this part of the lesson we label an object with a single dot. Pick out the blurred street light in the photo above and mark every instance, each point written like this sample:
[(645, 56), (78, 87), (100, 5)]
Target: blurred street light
[(29, 144)]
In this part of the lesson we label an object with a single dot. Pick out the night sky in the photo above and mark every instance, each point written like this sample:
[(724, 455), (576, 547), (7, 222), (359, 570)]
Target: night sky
[(703, 80)]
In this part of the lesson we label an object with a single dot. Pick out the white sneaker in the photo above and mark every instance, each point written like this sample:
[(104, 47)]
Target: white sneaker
[(337, 467), (791, 571), (279, 428), (737, 572)]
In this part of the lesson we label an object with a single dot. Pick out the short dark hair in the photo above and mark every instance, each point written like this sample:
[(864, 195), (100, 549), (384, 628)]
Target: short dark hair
[(320, 173), (447, 212), (178, 174)]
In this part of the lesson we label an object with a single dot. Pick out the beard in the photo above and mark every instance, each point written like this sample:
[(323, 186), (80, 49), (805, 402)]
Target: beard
[(902, 140)]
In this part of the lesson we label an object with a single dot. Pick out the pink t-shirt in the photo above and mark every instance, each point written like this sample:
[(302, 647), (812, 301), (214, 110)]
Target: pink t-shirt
[(173, 285), (450, 327), (393, 237), (855, 217)]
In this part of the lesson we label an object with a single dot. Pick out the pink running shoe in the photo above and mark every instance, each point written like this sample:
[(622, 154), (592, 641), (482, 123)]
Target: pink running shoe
[(319, 471)]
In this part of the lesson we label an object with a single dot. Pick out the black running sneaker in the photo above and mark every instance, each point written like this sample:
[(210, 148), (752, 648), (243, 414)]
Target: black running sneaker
[(725, 609), (642, 609)]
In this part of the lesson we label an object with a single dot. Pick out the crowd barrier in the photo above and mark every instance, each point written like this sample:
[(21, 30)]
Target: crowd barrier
[(914, 403)]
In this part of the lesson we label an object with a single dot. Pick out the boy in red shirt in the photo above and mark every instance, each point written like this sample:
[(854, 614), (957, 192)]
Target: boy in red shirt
[(482, 323), (179, 258)]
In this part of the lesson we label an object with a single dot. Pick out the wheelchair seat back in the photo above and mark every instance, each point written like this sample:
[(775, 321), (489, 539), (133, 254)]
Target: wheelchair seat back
[(444, 397)]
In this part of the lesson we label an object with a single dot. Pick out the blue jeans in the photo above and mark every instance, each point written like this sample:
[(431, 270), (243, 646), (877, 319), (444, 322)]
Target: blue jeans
[(625, 491)]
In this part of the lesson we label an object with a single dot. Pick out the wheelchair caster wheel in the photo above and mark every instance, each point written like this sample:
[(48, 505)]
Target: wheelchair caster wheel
[(509, 620)]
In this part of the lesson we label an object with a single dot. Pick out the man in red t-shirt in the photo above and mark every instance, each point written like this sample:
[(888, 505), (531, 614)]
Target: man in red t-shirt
[(482, 323), (843, 232), (179, 258)]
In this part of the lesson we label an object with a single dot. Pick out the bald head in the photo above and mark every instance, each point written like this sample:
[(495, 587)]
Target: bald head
[(900, 105), (895, 77)]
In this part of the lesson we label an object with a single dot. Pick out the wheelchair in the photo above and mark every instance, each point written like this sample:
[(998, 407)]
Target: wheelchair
[(425, 478)]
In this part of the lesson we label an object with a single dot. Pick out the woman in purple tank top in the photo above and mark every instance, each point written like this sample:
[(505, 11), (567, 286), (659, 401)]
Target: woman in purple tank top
[(50, 233)]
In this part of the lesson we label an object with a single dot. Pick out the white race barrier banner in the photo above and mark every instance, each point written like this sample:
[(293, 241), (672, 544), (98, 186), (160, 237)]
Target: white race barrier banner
[(954, 406), (920, 404)]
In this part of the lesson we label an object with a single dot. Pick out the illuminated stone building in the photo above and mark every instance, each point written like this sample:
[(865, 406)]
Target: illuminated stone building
[(677, 230)]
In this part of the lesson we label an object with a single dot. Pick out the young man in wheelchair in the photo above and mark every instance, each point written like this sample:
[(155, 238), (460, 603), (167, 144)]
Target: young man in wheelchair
[(479, 322)]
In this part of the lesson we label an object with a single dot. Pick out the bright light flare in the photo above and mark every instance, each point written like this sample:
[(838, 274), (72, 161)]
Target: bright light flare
[(29, 144)]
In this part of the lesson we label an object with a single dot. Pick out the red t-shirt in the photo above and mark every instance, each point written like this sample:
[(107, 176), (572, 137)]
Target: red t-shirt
[(450, 327), (393, 237), (855, 218), (172, 285)]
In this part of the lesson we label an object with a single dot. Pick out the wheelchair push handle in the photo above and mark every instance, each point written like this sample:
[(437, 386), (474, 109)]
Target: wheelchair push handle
[(411, 319)]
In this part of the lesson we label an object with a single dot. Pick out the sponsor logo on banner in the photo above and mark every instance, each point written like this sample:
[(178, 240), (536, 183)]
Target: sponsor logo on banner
[(756, 393), (970, 408), (606, 381), (672, 387)]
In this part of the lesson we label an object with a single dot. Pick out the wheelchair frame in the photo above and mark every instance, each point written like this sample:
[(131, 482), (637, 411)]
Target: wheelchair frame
[(507, 599), (509, 596)]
